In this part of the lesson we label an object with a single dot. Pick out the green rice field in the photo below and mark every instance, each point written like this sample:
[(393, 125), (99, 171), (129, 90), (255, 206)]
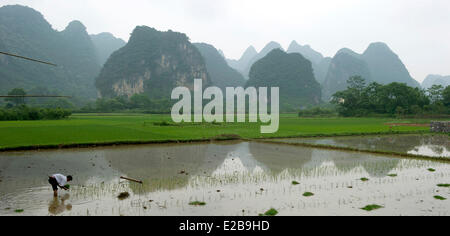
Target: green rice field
[(91, 129)]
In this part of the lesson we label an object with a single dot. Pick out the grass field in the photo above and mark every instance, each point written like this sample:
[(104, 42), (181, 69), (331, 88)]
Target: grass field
[(131, 128)]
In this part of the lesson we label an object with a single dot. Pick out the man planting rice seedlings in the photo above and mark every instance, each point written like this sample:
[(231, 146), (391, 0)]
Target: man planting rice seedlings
[(59, 180)]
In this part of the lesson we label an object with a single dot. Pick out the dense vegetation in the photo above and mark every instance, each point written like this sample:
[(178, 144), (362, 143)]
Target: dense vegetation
[(292, 73), (393, 99), (32, 113), (16, 108), (138, 103), (39, 102), (318, 112)]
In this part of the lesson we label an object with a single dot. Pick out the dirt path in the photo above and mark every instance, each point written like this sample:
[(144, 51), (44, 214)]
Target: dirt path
[(408, 124)]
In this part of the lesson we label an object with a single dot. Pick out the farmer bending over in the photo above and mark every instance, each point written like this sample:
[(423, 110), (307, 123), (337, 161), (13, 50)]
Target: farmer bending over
[(59, 180)]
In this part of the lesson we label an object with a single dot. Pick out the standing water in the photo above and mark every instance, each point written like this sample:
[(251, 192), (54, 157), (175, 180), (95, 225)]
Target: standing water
[(422, 145), (230, 178)]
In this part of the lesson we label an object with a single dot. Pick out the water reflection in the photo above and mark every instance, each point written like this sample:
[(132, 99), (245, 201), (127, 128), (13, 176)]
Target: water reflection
[(239, 160), (280, 158), (167, 167), (226, 175), (427, 145), (170, 167), (58, 206), (430, 150)]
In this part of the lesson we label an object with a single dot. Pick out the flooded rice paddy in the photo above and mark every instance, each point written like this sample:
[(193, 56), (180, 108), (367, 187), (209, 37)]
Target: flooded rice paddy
[(423, 145), (230, 178)]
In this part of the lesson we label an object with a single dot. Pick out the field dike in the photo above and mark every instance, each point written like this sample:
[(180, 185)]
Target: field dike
[(223, 137)]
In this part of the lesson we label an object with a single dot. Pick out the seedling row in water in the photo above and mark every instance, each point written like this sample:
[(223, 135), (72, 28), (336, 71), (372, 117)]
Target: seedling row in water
[(217, 180)]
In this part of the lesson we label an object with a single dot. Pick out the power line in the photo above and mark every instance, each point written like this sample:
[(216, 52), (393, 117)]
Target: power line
[(31, 96), (27, 58), (34, 96)]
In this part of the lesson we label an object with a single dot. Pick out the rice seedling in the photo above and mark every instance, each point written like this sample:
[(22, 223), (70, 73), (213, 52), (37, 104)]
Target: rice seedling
[(440, 198), (364, 179), (372, 207), (295, 183), (197, 203), (308, 194), (393, 175), (271, 212), (443, 185), (19, 211), (431, 170)]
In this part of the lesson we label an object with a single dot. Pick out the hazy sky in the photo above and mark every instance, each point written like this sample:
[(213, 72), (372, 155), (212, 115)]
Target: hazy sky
[(417, 30)]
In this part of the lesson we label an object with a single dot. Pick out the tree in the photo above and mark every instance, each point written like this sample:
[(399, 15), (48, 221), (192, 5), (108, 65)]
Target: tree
[(398, 94), (140, 101), (435, 93), (446, 96), (17, 100), (392, 99), (373, 92), (60, 103), (357, 83), (354, 99)]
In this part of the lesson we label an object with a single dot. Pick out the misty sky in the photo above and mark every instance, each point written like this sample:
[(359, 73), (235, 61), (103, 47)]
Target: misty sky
[(417, 30)]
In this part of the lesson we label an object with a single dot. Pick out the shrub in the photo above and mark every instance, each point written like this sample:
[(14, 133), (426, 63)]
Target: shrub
[(27, 113), (317, 111)]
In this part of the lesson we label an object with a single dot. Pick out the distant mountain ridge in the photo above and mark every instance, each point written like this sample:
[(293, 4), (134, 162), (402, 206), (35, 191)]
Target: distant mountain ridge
[(344, 64), (320, 63), (292, 73), (241, 64), (165, 59), (306, 51), (386, 66), (431, 80), (266, 50), (25, 31), (105, 44), (377, 64), (222, 75)]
